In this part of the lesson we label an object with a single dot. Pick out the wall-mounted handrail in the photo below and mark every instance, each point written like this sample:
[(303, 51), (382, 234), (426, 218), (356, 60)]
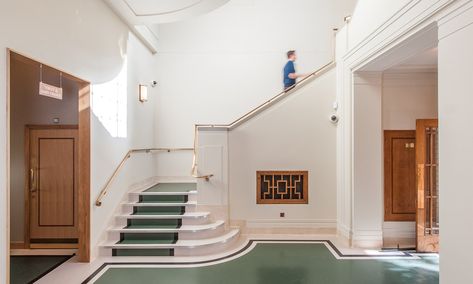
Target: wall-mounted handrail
[(105, 189), (319, 72), (271, 101)]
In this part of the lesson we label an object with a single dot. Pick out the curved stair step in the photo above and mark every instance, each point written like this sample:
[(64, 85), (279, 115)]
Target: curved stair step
[(172, 187), (187, 215), (163, 193), (183, 228), (160, 204), (178, 244)]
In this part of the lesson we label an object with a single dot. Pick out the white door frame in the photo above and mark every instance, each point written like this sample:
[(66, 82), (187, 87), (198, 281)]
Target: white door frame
[(389, 43)]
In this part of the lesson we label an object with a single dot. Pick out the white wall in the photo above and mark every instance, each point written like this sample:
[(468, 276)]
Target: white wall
[(455, 140), (294, 134), (408, 96), (216, 67), (86, 39)]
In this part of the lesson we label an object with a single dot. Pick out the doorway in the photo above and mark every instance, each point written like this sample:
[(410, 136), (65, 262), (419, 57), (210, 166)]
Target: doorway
[(390, 94), (49, 158), (409, 99)]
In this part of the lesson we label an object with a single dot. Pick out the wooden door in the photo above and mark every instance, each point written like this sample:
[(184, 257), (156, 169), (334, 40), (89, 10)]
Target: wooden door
[(399, 175), (53, 184), (427, 185)]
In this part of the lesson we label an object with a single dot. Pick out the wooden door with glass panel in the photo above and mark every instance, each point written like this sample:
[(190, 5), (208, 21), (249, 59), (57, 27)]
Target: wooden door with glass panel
[(53, 184), (427, 163)]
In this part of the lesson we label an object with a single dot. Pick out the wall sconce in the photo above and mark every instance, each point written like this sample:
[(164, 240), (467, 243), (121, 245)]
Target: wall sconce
[(143, 93)]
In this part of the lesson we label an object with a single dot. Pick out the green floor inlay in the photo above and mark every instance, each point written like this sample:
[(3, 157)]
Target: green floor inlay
[(173, 187), (285, 264), (24, 269)]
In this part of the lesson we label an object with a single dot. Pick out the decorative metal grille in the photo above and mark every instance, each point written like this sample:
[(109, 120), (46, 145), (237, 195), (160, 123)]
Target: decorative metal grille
[(282, 187)]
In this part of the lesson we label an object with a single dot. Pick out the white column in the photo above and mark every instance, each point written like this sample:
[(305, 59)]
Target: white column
[(455, 147)]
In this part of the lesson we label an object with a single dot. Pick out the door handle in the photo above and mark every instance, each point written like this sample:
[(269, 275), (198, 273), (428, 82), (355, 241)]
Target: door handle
[(32, 181)]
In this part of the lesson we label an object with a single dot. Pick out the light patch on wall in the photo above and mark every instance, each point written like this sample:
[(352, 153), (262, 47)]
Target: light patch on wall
[(109, 104)]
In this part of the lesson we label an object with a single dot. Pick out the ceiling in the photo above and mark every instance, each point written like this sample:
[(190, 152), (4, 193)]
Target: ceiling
[(141, 14), (162, 7), (424, 60)]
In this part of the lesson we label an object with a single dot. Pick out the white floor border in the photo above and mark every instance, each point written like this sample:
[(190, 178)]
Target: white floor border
[(250, 244)]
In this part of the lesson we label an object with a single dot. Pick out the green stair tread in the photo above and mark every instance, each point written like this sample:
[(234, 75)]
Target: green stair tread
[(152, 226), (162, 201), (173, 187), (142, 252), (157, 213), (150, 241)]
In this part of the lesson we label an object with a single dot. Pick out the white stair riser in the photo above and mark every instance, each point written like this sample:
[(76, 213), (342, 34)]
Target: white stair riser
[(135, 197), (208, 249), (206, 234)]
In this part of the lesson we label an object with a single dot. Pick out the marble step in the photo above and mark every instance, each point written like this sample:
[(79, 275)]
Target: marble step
[(183, 228), (187, 215), (171, 187), (230, 235), (160, 204), (163, 193)]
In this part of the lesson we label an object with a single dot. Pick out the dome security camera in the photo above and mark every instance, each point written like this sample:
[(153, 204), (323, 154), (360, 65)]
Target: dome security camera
[(154, 83), (334, 118)]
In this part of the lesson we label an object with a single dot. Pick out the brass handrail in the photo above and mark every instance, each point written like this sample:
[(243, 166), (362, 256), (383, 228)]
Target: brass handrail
[(104, 191), (319, 72)]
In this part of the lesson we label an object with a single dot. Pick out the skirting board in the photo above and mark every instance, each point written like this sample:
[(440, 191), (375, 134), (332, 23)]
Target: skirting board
[(291, 223), (367, 239), (296, 227), (344, 231)]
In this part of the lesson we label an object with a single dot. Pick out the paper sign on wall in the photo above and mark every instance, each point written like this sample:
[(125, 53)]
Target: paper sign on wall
[(50, 91)]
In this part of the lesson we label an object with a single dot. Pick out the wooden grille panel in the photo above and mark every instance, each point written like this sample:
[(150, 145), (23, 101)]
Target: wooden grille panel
[(282, 187)]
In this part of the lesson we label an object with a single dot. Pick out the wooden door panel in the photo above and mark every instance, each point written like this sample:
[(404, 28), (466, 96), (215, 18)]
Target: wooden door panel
[(399, 175), (56, 182), (53, 183), (404, 177)]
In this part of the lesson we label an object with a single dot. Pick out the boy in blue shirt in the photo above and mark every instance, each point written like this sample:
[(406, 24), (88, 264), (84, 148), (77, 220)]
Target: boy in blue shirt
[(290, 74)]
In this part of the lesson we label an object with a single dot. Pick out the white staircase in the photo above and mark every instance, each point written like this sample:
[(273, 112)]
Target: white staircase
[(163, 221)]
